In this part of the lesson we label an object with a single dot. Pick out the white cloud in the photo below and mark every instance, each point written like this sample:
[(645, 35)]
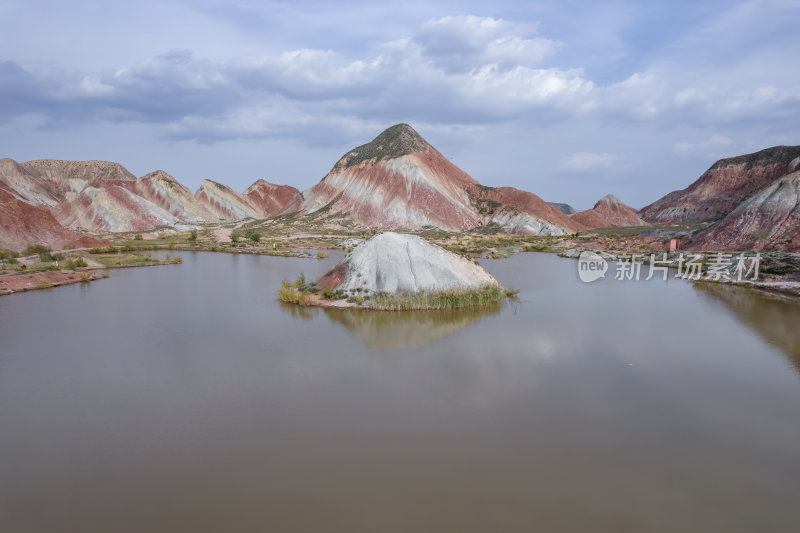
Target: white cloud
[(460, 43), (583, 161), (500, 97)]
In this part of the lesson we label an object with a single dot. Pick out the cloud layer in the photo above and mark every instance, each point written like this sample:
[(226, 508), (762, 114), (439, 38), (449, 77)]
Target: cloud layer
[(462, 78)]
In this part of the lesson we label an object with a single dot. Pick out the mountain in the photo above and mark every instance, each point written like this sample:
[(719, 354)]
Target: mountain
[(770, 219), (46, 182), (521, 212), (26, 186), (22, 224), (564, 208), (104, 196), (170, 195), (609, 212), (724, 186), (225, 204), (89, 195), (398, 180), (111, 208), (271, 199)]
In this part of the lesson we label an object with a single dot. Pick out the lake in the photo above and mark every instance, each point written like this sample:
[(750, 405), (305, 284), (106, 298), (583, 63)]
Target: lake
[(187, 398)]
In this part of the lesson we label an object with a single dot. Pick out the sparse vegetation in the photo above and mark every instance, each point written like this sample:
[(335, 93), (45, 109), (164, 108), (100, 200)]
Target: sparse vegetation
[(451, 299), (106, 250), (299, 291), (38, 249), (74, 264), (302, 292), (761, 235), (288, 294), (332, 294)]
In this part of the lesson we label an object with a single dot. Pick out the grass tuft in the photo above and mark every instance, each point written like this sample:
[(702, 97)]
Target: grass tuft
[(448, 299)]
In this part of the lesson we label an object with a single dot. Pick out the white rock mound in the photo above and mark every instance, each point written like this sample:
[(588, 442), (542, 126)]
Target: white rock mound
[(396, 262)]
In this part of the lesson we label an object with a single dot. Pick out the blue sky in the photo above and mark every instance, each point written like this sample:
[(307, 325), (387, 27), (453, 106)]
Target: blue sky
[(571, 100)]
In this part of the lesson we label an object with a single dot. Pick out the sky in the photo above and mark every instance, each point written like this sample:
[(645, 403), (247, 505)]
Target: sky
[(572, 100)]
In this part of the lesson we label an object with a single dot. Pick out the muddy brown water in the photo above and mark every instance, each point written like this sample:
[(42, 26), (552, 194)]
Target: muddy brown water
[(187, 398)]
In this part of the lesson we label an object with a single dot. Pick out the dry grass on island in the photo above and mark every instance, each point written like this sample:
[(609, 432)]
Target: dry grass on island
[(306, 293)]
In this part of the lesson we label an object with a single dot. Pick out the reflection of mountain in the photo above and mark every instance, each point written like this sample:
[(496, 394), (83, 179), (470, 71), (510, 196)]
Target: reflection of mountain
[(775, 318), (387, 329)]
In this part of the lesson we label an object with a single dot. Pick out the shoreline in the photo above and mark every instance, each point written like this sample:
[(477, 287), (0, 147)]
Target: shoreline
[(25, 281), (470, 245)]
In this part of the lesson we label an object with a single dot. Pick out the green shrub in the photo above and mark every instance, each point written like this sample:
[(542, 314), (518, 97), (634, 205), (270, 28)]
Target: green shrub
[(73, 264), (106, 250), (36, 249), (332, 294)]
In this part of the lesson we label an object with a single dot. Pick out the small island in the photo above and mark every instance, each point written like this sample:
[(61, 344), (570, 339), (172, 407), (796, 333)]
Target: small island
[(399, 272)]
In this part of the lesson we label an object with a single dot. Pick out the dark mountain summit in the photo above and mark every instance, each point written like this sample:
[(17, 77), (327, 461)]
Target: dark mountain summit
[(396, 141)]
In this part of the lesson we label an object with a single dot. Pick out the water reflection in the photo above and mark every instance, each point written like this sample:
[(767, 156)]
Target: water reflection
[(188, 399), (299, 311), (773, 317), (387, 330)]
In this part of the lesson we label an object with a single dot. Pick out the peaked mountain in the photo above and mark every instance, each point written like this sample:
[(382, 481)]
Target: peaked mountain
[(170, 195), (398, 180), (609, 212), (724, 186), (225, 204), (770, 219), (271, 199)]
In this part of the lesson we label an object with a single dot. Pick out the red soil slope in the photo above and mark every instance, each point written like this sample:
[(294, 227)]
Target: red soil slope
[(22, 224)]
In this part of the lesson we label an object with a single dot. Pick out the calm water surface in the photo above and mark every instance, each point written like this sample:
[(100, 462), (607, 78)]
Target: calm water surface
[(186, 398)]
